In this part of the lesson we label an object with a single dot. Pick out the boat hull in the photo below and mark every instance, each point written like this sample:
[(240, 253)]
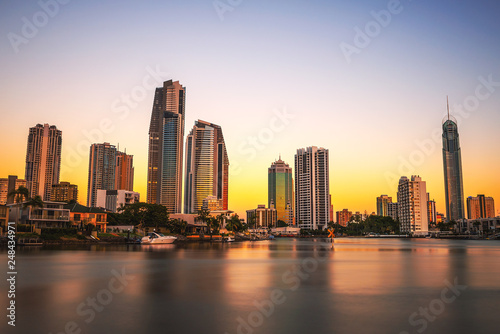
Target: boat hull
[(159, 241)]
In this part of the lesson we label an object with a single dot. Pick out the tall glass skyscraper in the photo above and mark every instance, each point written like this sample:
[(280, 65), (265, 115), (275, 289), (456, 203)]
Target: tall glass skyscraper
[(280, 190), (102, 162), (207, 167), (43, 160), (124, 174), (452, 162), (166, 135), (312, 188)]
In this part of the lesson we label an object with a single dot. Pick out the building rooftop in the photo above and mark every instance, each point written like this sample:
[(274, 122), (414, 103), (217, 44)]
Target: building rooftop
[(75, 207)]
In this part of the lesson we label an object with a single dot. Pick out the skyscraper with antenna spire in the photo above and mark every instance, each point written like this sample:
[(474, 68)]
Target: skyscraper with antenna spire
[(452, 163)]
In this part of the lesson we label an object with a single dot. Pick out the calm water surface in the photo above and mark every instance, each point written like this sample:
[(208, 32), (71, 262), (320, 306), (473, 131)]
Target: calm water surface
[(283, 286)]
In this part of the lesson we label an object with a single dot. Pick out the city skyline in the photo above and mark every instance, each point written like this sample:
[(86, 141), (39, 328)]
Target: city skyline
[(359, 110), (449, 126)]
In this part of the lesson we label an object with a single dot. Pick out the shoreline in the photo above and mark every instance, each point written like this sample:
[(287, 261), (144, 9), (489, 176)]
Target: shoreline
[(185, 240)]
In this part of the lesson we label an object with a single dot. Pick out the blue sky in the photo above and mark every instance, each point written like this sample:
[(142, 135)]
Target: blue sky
[(264, 55)]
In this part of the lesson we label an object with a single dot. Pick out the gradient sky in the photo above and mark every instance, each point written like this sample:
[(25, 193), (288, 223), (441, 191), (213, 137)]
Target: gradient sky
[(263, 57)]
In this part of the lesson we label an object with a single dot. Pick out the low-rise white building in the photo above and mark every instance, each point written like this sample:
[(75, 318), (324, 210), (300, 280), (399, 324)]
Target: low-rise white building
[(50, 215), (112, 200)]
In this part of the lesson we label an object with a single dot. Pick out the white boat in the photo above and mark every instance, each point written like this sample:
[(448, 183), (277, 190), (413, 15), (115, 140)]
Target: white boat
[(154, 238), (229, 239)]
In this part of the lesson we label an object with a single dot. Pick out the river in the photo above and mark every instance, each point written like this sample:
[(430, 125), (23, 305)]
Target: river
[(285, 286)]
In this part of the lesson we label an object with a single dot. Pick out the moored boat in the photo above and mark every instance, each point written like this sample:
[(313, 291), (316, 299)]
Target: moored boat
[(154, 238)]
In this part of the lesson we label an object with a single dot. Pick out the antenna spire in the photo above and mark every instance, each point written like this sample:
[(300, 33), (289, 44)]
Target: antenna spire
[(448, 107)]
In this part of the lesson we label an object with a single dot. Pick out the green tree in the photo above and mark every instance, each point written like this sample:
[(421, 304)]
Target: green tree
[(156, 216), (116, 218), (281, 223), (145, 215)]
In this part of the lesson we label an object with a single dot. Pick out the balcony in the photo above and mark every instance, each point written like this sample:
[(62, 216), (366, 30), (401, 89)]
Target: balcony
[(52, 215)]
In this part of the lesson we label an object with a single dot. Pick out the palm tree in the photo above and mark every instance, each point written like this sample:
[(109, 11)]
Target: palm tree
[(231, 224), (204, 217), (20, 195), (215, 225), (253, 221), (221, 218), (234, 224), (35, 202)]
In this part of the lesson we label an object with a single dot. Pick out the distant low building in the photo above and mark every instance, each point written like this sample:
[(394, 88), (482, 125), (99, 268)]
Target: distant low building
[(382, 203), (286, 230), (479, 226), (64, 192), (343, 217), (112, 200), (480, 207), (431, 210), (392, 210), (212, 203), (4, 219), (262, 216), (7, 185)]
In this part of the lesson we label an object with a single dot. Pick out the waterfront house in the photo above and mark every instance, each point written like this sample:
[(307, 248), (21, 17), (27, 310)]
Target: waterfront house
[(81, 215), (49, 215)]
